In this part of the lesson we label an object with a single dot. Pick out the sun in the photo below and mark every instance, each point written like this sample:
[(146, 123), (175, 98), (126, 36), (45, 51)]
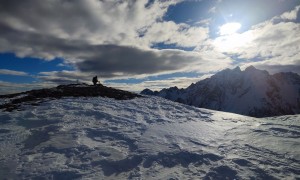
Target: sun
[(230, 40), (230, 28)]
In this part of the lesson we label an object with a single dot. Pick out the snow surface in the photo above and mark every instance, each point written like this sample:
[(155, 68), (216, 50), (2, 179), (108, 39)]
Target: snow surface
[(144, 138)]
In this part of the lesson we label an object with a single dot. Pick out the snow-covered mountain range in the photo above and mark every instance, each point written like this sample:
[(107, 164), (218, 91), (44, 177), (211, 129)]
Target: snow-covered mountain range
[(250, 92), (142, 138)]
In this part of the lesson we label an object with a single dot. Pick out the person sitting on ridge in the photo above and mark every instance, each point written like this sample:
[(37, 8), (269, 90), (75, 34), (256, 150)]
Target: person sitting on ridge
[(95, 80)]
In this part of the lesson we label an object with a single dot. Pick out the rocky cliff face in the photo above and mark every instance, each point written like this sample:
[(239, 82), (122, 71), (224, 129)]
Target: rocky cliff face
[(250, 92)]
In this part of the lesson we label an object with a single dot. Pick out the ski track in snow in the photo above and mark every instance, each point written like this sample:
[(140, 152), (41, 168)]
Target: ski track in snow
[(144, 138)]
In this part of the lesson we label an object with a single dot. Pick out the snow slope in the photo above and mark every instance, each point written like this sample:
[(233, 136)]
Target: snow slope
[(144, 138)]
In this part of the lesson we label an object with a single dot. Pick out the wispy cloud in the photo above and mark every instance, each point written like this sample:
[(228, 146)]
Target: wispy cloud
[(9, 87), (291, 15), (182, 35), (12, 72)]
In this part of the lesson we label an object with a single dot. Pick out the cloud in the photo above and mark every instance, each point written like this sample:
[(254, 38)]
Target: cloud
[(13, 73), (273, 40), (132, 61), (110, 60), (182, 35), (121, 62), (212, 10), (64, 77), (291, 15), (204, 22), (264, 40), (91, 22), (112, 38), (10, 88), (273, 43)]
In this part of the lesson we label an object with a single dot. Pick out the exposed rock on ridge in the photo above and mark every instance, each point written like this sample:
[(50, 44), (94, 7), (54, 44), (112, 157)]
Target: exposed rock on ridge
[(72, 90)]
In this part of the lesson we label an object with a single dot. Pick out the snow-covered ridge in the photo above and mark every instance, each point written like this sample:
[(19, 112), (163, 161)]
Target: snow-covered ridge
[(250, 92), (144, 138)]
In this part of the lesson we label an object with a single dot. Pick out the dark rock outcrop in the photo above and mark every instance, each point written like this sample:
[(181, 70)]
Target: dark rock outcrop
[(33, 97)]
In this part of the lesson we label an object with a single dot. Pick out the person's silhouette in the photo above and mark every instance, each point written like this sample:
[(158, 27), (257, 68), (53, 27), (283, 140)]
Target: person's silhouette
[(95, 80)]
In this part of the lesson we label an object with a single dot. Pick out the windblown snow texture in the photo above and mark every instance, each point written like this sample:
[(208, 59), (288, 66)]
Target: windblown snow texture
[(251, 92), (144, 138)]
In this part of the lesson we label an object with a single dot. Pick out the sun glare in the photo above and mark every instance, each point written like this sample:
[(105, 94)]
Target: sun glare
[(230, 28), (230, 40)]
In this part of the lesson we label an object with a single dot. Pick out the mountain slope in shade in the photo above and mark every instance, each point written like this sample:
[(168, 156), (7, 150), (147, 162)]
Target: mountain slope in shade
[(144, 138), (250, 92)]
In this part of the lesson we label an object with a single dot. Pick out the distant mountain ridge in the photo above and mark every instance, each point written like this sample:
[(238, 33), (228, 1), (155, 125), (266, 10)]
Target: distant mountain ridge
[(250, 92)]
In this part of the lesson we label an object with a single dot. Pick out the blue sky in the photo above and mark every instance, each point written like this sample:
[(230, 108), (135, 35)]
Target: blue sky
[(134, 45)]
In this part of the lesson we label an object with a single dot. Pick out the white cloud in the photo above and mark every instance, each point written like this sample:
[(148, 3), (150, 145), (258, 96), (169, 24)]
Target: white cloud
[(291, 15), (180, 34), (272, 43), (268, 40), (204, 22), (12, 72), (212, 10), (94, 22)]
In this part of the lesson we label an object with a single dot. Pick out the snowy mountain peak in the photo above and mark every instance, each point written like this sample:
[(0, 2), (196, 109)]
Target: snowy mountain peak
[(251, 92), (227, 73), (237, 69), (147, 91), (252, 70)]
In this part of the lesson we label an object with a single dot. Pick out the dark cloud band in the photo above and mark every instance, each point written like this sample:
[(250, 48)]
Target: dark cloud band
[(110, 60)]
